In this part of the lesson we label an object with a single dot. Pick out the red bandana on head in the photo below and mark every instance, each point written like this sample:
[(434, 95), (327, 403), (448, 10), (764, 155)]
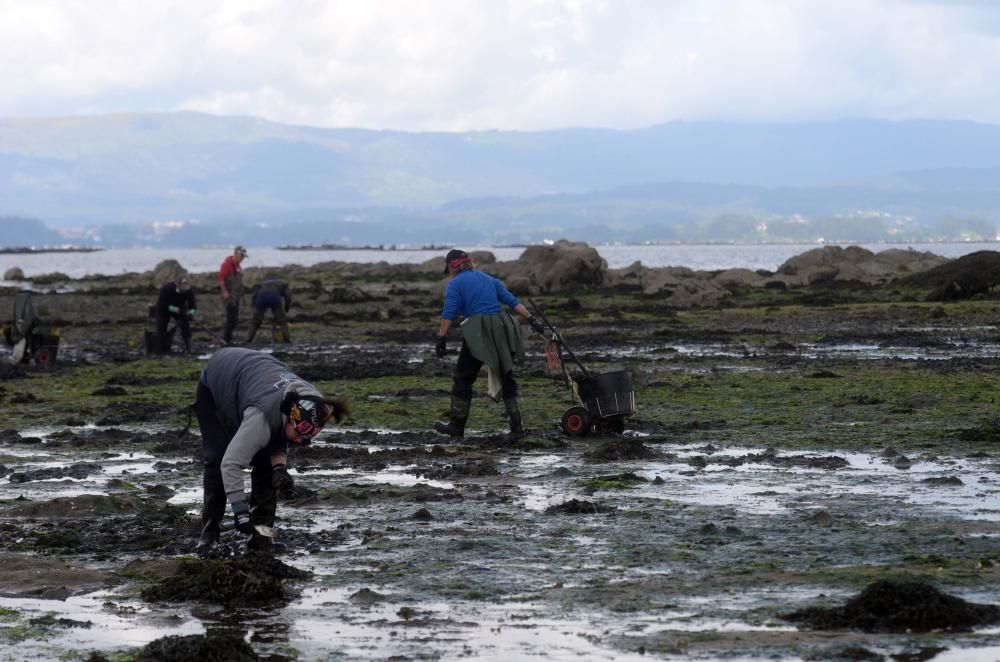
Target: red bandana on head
[(458, 262)]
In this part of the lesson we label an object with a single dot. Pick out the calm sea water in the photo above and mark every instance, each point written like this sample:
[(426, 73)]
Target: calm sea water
[(200, 260)]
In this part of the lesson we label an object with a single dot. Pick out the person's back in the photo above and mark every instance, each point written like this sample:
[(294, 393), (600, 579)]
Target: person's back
[(473, 292), (271, 294), (489, 337), (240, 378)]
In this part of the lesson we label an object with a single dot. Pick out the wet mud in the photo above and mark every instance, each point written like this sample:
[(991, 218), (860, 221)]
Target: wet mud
[(791, 450)]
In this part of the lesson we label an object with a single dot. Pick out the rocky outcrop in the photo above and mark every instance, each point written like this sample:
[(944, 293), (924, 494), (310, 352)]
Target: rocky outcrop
[(969, 275), (167, 270), (835, 263), (683, 286), (564, 265), (552, 268), (14, 273)]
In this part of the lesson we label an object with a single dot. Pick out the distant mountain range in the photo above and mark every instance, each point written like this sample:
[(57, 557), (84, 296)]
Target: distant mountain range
[(188, 178)]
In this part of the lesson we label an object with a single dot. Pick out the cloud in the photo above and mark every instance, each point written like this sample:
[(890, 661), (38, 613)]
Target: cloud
[(519, 64)]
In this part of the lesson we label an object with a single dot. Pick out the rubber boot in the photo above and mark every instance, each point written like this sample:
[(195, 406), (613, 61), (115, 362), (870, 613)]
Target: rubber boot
[(264, 508), (212, 510), (285, 337), (187, 345), (253, 331), (457, 416), (514, 416)]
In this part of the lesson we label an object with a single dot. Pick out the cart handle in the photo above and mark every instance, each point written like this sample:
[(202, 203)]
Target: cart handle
[(558, 336)]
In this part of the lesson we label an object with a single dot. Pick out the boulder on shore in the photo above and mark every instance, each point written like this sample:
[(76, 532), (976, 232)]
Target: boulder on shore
[(854, 263), (969, 275), (550, 268), (167, 270)]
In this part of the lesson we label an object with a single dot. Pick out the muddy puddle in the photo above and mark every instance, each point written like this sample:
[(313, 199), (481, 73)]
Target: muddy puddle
[(687, 544)]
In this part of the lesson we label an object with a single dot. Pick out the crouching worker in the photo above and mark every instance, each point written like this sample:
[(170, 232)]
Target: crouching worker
[(272, 294), (175, 301), (489, 336), (250, 406)]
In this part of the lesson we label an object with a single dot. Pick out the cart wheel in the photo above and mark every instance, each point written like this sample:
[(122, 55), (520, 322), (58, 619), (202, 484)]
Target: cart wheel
[(576, 421)]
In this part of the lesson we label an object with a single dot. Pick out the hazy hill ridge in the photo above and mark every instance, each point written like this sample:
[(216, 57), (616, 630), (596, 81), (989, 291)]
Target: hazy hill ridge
[(152, 167)]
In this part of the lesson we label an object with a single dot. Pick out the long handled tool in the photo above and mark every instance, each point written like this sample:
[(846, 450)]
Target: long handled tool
[(204, 329)]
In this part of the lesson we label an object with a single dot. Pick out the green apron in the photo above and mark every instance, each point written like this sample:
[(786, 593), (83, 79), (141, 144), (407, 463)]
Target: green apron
[(495, 340)]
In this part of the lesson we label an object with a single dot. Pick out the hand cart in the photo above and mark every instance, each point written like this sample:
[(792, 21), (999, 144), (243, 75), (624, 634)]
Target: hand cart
[(602, 401)]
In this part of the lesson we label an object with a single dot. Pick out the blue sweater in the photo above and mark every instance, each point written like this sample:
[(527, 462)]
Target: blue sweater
[(473, 292)]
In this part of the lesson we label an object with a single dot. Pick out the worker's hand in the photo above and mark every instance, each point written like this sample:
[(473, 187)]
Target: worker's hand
[(192, 313), (441, 346), (173, 309), (241, 515), (536, 325), (281, 481), (225, 295)]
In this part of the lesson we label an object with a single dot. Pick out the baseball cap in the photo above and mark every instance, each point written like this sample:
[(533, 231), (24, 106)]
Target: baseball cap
[(240, 249)]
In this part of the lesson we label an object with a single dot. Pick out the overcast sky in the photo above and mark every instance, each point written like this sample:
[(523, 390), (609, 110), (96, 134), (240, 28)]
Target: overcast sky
[(494, 64)]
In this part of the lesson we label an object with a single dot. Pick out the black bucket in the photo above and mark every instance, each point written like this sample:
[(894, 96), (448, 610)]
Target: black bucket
[(610, 394), (156, 345)]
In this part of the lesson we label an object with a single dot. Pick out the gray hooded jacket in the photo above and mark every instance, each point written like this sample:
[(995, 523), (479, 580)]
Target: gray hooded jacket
[(248, 388)]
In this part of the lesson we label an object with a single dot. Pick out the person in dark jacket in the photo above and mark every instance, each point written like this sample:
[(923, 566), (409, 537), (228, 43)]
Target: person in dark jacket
[(175, 301), (250, 407), (271, 294), (489, 336), (231, 289)]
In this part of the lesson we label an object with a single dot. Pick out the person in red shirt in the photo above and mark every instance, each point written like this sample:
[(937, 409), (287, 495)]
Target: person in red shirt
[(231, 285)]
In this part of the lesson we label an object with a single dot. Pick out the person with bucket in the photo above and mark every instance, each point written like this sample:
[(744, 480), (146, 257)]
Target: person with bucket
[(489, 336), (250, 406), (231, 289), (175, 302), (271, 294)]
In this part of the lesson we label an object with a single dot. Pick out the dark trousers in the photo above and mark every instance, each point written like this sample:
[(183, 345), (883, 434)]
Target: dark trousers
[(466, 372), (214, 440), (269, 301), (232, 318), (162, 319)]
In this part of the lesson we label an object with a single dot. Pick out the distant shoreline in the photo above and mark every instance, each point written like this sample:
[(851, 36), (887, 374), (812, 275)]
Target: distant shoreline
[(818, 244), (340, 247), (26, 250)]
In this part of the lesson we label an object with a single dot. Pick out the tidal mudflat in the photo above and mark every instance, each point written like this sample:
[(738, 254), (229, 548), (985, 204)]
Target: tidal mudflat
[(791, 447)]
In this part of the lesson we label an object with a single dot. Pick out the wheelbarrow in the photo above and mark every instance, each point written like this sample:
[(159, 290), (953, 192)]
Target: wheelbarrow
[(602, 402), (28, 337)]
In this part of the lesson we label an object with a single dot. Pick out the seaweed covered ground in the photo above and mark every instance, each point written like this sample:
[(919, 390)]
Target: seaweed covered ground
[(791, 450)]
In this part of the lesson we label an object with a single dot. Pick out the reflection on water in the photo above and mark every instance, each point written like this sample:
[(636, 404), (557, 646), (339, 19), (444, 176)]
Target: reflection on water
[(517, 622)]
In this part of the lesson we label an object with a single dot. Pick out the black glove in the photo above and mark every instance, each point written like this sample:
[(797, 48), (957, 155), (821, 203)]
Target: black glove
[(241, 515), (281, 481), (441, 345), (537, 325)]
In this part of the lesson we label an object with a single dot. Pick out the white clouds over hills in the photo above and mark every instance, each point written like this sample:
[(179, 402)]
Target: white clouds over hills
[(520, 64)]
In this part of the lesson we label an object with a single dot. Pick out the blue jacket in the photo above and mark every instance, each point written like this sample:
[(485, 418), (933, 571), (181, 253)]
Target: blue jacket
[(473, 292)]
